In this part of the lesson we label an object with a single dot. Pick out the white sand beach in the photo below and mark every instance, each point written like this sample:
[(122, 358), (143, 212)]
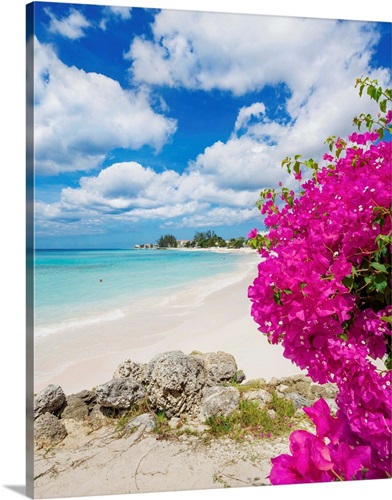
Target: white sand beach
[(209, 316), (213, 315)]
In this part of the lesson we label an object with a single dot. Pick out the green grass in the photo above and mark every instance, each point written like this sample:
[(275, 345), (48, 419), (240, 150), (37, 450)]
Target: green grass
[(252, 420), (122, 420), (252, 385)]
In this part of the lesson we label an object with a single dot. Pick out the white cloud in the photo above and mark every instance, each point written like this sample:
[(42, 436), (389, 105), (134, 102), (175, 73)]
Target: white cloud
[(71, 26), (123, 187), (245, 114), (129, 191), (80, 116), (241, 53), (316, 61), (218, 216), (121, 12), (114, 14)]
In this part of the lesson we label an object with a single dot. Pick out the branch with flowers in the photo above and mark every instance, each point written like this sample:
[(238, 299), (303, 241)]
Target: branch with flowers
[(323, 291)]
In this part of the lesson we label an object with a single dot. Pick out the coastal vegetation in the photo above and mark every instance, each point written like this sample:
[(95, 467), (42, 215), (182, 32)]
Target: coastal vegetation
[(167, 241), (201, 239), (323, 291)]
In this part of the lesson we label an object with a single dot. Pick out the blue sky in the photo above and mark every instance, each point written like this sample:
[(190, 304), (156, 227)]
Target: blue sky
[(153, 121)]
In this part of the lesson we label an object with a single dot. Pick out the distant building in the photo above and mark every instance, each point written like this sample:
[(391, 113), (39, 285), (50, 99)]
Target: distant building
[(145, 246), (182, 243)]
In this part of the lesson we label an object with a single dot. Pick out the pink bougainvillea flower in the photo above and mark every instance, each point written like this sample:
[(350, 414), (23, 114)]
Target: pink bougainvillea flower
[(326, 425), (349, 460), (311, 295), (309, 463), (252, 233)]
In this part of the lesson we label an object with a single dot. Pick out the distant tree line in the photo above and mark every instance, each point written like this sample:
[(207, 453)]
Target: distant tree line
[(202, 239), (167, 241)]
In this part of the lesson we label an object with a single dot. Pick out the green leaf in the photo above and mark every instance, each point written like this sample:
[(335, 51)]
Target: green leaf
[(287, 291), (380, 282), (388, 363), (348, 281), (383, 106), (379, 267), (277, 298), (387, 319), (371, 91)]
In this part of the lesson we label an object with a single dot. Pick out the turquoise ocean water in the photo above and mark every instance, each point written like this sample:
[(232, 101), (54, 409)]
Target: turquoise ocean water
[(72, 287)]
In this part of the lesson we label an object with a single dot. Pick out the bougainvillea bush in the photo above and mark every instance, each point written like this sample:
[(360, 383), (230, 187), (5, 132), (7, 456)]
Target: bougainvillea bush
[(323, 292)]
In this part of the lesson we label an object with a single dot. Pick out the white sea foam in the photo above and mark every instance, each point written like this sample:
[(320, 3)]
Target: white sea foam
[(49, 329)]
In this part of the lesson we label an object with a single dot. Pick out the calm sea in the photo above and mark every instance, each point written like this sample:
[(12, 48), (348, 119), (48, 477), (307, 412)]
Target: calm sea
[(75, 287)]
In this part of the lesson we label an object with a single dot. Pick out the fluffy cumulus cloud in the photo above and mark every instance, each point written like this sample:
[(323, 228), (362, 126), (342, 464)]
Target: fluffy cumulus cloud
[(71, 26), (130, 191), (317, 62), (114, 14), (246, 113), (80, 116), (241, 53)]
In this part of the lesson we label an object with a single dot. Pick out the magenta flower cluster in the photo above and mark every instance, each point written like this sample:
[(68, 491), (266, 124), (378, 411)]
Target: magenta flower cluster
[(320, 243)]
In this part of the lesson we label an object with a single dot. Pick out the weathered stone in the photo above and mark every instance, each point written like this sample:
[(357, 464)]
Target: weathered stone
[(49, 400), (119, 393), (318, 391), (303, 388), (239, 376), (298, 378), (260, 395), (100, 413), (274, 382), (88, 397), (220, 400), (145, 420), (298, 400), (175, 383), (48, 431), (75, 408), (331, 390), (219, 367), (130, 369), (332, 405), (283, 388)]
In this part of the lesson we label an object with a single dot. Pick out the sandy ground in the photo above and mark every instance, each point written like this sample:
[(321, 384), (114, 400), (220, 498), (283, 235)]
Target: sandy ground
[(214, 315), (211, 317), (103, 463)]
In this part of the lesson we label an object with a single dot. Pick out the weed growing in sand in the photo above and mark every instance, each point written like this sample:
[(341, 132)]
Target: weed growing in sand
[(123, 419), (272, 420), (162, 425)]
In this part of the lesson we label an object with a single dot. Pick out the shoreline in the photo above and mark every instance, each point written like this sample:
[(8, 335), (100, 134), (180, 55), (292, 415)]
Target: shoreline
[(213, 315)]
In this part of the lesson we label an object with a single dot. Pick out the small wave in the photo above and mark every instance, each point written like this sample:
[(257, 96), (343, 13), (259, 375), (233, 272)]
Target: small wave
[(49, 329)]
